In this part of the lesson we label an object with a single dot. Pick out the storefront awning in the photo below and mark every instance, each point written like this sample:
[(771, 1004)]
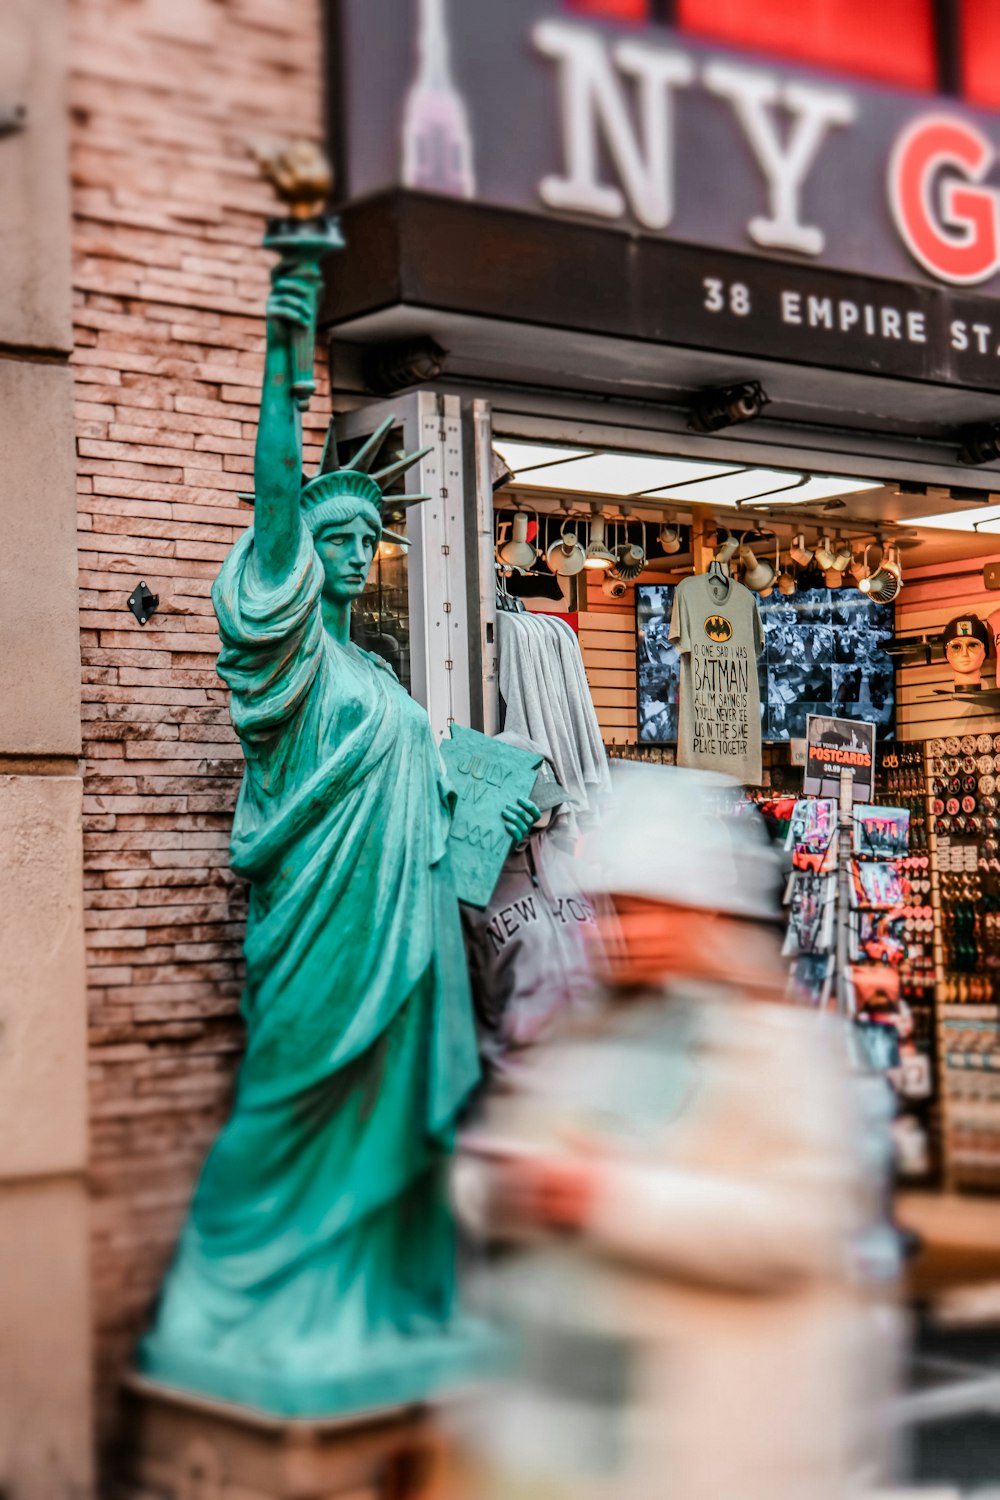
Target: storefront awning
[(517, 297)]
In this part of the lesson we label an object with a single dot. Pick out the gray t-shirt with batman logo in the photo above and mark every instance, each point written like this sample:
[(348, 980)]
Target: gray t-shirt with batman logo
[(716, 627)]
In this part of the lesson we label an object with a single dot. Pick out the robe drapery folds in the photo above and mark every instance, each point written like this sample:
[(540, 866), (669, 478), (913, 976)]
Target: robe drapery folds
[(315, 1273)]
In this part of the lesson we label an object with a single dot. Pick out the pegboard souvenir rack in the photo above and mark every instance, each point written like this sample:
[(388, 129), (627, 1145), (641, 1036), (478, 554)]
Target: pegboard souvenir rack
[(962, 782)]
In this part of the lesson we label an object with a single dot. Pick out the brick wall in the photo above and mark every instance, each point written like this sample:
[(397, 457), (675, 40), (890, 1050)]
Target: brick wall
[(169, 284)]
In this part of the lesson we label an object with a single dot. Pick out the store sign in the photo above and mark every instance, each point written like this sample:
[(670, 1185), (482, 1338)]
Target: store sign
[(784, 128), (517, 104), (956, 238), (834, 746), (816, 317)]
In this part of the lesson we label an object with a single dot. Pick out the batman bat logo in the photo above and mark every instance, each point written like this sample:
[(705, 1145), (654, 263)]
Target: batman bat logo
[(718, 628)]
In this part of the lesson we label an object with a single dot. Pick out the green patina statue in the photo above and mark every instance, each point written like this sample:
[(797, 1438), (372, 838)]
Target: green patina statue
[(315, 1273)]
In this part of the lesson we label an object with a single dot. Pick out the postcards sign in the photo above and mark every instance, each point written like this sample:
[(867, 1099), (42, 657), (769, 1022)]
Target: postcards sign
[(834, 746), (522, 105)]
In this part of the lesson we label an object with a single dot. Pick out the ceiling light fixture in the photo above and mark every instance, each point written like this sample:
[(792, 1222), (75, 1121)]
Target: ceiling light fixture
[(786, 582), (518, 551), (726, 548), (758, 575), (823, 553), (799, 552), (842, 556), (630, 557), (599, 556), (565, 556), (883, 586)]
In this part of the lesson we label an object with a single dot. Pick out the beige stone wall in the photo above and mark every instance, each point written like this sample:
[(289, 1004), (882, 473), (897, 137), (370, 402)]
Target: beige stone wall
[(34, 186), (45, 1378), (45, 1364), (169, 283)]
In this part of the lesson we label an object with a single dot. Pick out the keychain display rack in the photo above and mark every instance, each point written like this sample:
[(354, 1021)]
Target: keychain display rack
[(851, 899), (962, 786)]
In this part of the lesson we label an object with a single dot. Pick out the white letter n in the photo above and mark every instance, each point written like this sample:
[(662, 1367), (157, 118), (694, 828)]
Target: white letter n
[(785, 166), (592, 96)]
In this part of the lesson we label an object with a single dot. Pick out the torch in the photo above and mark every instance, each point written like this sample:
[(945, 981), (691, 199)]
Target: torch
[(302, 178)]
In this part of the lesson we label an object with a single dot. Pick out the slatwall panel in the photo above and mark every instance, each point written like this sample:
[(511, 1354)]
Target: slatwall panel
[(931, 597), (607, 640)]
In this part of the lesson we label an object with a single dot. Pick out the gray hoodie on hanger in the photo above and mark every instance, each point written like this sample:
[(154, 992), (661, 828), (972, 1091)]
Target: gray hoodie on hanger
[(530, 951), (547, 698)]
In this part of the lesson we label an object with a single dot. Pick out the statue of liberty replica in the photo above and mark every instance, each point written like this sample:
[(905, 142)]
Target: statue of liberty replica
[(315, 1273)]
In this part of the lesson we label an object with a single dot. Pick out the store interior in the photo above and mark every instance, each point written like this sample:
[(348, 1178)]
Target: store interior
[(857, 581)]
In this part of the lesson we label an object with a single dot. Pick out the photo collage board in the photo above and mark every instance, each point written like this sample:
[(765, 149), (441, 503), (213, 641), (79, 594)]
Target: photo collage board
[(824, 653)]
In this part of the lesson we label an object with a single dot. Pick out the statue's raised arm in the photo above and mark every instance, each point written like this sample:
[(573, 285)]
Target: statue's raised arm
[(278, 453)]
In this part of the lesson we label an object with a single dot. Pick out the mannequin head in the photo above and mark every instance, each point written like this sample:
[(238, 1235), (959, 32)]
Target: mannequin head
[(967, 644), (993, 625)]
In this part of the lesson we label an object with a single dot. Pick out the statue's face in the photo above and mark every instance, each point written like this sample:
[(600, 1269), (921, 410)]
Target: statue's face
[(966, 655), (346, 549)]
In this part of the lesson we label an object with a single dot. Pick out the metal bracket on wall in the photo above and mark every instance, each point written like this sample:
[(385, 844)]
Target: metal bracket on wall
[(13, 118), (143, 602)]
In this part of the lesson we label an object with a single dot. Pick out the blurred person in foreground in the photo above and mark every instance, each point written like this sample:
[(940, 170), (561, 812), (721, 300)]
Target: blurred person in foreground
[(679, 1188)]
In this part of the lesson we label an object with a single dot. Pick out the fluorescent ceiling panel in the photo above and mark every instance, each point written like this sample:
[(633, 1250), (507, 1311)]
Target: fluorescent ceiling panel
[(742, 486), (519, 456), (981, 518), (580, 471), (821, 487), (618, 474)]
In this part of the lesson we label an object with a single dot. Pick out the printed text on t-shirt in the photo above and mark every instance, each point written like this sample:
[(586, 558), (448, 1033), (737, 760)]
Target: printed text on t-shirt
[(721, 698)]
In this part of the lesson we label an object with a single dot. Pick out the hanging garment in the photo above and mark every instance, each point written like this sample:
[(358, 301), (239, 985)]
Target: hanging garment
[(547, 697), (531, 950), (716, 627)]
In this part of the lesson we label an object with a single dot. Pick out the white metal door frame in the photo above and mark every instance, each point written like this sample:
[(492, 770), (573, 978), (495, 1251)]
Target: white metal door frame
[(436, 562)]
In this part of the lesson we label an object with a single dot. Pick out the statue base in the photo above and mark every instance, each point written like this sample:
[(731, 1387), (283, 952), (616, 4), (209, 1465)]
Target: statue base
[(394, 1373), (181, 1446)]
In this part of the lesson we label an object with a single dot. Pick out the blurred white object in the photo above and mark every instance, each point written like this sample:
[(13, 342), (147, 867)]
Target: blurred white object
[(672, 834), (699, 1337)]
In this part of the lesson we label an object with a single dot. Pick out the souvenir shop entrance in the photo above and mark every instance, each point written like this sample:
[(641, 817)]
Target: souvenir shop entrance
[(869, 576)]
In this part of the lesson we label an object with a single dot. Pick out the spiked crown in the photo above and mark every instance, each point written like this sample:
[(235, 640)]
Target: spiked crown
[(336, 494)]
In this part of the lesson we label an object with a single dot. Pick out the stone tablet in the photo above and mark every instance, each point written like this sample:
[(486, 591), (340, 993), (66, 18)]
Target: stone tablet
[(487, 776)]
